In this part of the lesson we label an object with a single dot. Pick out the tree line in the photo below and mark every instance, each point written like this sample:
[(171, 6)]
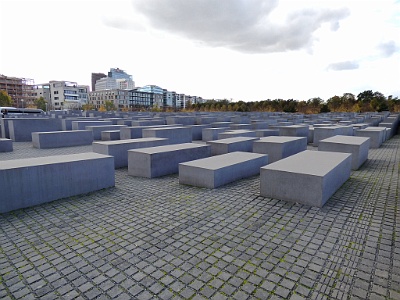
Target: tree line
[(366, 101)]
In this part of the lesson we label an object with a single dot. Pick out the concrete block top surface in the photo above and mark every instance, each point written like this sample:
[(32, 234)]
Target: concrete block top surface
[(234, 140), (280, 139), (373, 128), (166, 148), (224, 160), (61, 131), (47, 160), (128, 141), (345, 139), (169, 128), (317, 163)]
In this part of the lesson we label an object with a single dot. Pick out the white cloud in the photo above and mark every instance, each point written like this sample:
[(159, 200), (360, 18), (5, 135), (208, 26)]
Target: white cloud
[(238, 24)]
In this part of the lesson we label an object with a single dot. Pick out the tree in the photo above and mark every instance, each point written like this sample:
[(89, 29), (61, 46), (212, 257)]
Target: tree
[(5, 99), (334, 103), (41, 103), (88, 106), (109, 105)]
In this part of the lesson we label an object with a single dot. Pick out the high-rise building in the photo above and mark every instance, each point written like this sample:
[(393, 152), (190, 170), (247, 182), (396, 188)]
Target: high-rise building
[(116, 79), (95, 77), (117, 73)]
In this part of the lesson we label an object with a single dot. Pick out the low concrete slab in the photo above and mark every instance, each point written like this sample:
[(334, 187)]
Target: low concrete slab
[(357, 146), (32, 181), (175, 135), (236, 133), (163, 160), (119, 149), (279, 147), (244, 144), (81, 125), (219, 170), (135, 132), (309, 177), (59, 139), (6, 145)]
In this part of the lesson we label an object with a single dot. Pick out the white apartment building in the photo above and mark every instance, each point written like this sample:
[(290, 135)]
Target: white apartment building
[(62, 94)]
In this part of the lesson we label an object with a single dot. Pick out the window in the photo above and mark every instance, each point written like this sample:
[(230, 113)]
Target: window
[(55, 98), (55, 92)]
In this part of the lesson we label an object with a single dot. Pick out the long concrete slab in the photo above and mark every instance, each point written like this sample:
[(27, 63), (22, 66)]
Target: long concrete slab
[(58, 139), (32, 181), (216, 171)]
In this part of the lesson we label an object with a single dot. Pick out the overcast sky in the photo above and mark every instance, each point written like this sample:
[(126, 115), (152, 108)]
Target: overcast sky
[(236, 49)]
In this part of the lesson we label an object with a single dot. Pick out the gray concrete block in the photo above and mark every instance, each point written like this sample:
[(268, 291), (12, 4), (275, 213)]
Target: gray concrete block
[(223, 146), (321, 133), (119, 149), (135, 132), (175, 135), (6, 145), (58, 139), (309, 177), (163, 160), (377, 135), (236, 133), (294, 130), (21, 129), (32, 181), (219, 170), (97, 129), (279, 147), (197, 131), (81, 125), (210, 134), (357, 146), (110, 135), (240, 126), (266, 132)]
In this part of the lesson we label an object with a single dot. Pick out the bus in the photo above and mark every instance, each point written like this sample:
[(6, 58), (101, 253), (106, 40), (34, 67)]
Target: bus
[(12, 111)]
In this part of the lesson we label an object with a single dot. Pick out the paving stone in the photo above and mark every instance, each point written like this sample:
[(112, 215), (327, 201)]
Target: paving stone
[(158, 239)]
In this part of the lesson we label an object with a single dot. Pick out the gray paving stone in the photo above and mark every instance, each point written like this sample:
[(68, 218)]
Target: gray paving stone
[(157, 239)]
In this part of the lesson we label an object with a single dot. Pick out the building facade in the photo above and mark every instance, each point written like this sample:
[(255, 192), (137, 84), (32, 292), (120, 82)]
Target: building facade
[(62, 94), (21, 90), (117, 96), (95, 77)]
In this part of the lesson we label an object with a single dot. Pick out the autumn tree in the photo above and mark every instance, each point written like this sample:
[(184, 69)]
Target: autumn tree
[(5, 99), (41, 103), (109, 105)]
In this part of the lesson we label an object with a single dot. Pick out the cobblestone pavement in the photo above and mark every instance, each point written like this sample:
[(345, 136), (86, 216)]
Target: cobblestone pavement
[(156, 239)]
